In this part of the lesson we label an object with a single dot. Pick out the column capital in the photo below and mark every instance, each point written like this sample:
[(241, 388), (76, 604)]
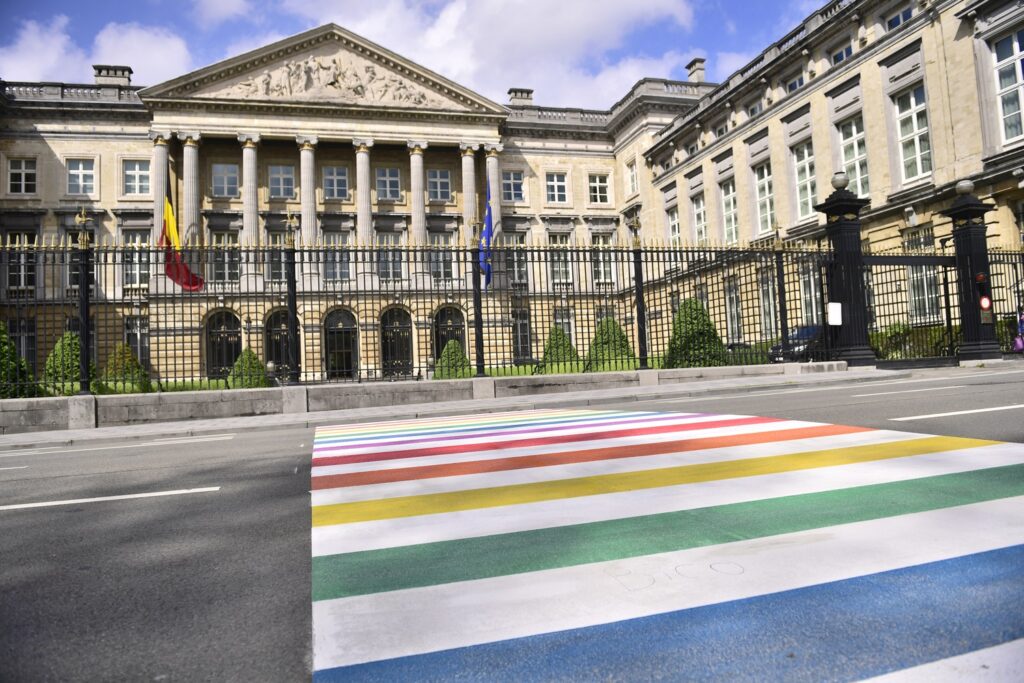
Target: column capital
[(468, 148), (493, 149), (248, 139), (362, 144), (306, 141), (189, 137), (160, 137), (416, 146)]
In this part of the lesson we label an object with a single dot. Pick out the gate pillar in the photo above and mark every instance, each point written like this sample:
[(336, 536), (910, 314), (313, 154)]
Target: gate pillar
[(977, 329), (846, 273)]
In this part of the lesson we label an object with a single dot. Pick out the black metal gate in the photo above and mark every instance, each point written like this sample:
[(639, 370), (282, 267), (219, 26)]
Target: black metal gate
[(449, 324), (396, 343), (913, 308), (341, 345), (223, 343)]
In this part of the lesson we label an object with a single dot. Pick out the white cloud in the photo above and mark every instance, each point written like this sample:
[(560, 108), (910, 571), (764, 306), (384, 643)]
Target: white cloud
[(44, 53), (209, 13), (491, 45), (250, 42), (47, 53), (727, 63)]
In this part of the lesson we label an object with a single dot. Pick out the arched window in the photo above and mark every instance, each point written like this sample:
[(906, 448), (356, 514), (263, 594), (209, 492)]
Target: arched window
[(449, 324), (396, 343), (275, 341), (341, 345), (223, 343)]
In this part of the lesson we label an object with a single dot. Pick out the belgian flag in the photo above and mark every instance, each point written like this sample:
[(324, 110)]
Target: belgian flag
[(174, 263)]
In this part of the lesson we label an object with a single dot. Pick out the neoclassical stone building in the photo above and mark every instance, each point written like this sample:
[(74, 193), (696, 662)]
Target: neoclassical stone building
[(350, 144)]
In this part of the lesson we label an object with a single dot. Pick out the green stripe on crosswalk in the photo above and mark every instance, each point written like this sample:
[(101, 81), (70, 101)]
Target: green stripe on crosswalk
[(375, 571)]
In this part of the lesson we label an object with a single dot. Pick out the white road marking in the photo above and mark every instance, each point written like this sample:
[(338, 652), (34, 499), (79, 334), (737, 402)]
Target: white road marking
[(908, 391), (155, 494), (958, 412), (192, 439), (23, 467), (28, 451), (158, 442)]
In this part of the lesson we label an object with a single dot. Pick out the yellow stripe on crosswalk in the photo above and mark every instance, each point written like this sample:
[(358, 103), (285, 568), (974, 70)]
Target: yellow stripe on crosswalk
[(517, 494)]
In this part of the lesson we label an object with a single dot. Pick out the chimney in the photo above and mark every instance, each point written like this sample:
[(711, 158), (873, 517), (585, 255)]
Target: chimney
[(112, 75), (696, 70), (521, 97)]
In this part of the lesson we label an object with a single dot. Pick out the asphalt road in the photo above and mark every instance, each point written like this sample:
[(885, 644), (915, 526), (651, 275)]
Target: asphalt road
[(214, 583)]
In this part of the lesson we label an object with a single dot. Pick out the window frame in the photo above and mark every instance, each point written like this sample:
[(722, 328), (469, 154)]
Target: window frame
[(601, 186), (22, 172), (860, 183), (901, 13), (765, 203), (214, 165), (549, 182), (94, 176), (730, 211), (916, 135), (276, 175), (602, 264), (135, 262), (560, 267), (809, 183), (508, 195), (392, 177), (632, 178), (439, 187), (329, 172), (1016, 60), (138, 175), (699, 217)]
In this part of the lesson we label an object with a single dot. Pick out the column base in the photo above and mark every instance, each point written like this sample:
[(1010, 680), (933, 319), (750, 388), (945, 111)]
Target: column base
[(855, 355), (985, 350)]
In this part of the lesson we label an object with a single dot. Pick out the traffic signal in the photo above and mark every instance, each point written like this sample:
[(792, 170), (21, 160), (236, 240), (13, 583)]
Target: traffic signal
[(984, 289)]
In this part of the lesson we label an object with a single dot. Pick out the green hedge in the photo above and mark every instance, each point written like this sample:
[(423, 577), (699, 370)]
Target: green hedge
[(694, 342), (248, 372), (453, 363), (124, 374), (610, 349), (16, 380)]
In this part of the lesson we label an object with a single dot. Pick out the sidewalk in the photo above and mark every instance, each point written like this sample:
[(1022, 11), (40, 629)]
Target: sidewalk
[(579, 399)]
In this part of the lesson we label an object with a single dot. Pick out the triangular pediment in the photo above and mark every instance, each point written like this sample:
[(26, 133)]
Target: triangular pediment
[(325, 66)]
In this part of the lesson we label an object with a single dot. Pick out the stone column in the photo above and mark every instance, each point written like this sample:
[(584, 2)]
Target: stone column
[(494, 184), (468, 191), (250, 197), (158, 174), (307, 187), (190, 222), (364, 212), (416, 184)]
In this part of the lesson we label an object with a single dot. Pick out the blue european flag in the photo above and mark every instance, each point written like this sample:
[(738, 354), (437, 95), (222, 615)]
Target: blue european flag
[(485, 241)]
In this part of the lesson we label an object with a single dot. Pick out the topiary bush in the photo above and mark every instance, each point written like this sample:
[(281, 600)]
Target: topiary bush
[(60, 374), (559, 353), (610, 348), (16, 380), (694, 342), (124, 373), (248, 372), (453, 363)]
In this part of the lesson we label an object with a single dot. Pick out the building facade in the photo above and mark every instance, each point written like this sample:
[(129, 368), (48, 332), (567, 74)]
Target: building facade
[(348, 145)]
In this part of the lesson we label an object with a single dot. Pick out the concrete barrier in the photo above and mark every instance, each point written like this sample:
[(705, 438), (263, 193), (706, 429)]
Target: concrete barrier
[(33, 415)]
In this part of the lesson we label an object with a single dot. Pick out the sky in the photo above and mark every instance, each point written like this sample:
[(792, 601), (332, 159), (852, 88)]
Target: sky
[(572, 53)]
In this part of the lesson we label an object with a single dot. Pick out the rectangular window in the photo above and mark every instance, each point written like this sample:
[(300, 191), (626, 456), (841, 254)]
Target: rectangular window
[(765, 198), (922, 281), (675, 236), (806, 188), (337, 258), (521, 342), (21, 176), (729, 224), (388, 184), (1009, 83), (564, 320), (795, 83), (22, 332), (512, 186), (810, 293), (72, 267), (225, 180), (841, 54), (389, 255), (439, 185), (282, 182), (442, 265), (898, 18), (912, 126), (855, 155), (81, 176), (135, 269), (135, 174), (755, 109), (561, 272), (721, 130), (516, 258), (226, 258), (335, 182), (601, 257), (769, 303), (631, 178), (557, 189), (700, 221), (733, 310), (275, 255), (136, 336), (598, 183), (21, 264)]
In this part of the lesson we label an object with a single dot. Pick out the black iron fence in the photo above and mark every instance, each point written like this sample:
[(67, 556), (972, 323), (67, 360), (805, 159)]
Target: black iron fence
[(1007, 271), (236, 316)]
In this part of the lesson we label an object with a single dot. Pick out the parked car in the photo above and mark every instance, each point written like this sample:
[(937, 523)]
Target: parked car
[(804, 341)]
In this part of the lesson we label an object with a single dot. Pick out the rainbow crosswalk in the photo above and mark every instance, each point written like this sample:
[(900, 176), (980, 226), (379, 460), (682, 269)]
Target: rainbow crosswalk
[(608, 545)]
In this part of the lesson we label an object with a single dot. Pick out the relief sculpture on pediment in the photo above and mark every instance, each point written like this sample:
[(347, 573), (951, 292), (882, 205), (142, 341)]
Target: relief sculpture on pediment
[(342, 77)]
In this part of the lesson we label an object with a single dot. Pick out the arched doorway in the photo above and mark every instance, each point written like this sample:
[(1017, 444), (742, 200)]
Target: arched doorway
[(223, 343), (341, 345), (275, 341), (449, 324), (396, 343)]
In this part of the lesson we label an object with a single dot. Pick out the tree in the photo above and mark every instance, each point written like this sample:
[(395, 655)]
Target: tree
[(248, 372), (559, 351), (694, 342), (15, 379), (610, 349), (453, 363), (125, 372)]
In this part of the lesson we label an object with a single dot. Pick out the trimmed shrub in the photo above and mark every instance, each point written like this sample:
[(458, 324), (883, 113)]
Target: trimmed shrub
[(694, 342), (610, 349), (15, 379), (453, 363), (558, 352), (124, 373), (60, 374), (248, 372)]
